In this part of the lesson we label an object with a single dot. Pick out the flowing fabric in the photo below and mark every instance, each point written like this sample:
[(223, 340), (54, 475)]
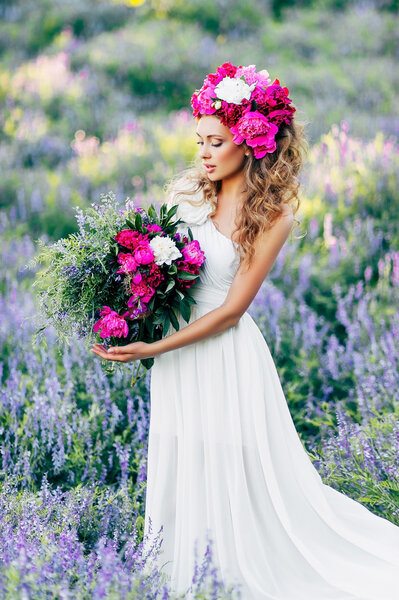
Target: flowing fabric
[(224, 458)]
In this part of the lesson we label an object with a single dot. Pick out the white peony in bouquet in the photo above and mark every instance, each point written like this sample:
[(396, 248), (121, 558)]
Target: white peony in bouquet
[(126, 274)]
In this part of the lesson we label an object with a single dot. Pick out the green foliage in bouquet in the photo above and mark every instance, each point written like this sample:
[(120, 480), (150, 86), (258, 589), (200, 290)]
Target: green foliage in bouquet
[(122, 277)]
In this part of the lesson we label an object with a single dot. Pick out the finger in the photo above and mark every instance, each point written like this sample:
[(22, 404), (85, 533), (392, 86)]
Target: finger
[(106, 356), (118, 350), (111, 349), (100, 347), (102, 353)]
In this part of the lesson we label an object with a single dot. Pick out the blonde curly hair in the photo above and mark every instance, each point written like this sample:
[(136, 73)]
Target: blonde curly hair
[(270, 182)]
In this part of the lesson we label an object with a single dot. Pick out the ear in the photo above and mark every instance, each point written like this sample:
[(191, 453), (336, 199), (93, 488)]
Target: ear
[(247, 151)]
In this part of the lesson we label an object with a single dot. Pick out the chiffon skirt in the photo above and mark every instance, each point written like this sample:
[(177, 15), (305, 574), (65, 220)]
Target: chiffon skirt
[(225, 463)]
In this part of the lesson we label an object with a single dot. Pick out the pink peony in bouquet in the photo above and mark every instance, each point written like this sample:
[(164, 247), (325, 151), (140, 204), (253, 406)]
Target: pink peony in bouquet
[(125, 276), (158, 266)]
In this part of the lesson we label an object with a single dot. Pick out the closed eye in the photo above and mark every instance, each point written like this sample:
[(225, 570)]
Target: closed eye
[(214, 145)]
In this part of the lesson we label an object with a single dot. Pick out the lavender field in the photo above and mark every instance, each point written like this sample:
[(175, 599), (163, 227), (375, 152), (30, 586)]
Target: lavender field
[(91, 105)]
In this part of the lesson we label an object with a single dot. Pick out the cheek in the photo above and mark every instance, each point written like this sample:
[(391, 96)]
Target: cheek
[(231, 155)]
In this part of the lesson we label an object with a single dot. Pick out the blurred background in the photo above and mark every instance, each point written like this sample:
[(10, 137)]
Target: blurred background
[(95, 97), (96, 94)]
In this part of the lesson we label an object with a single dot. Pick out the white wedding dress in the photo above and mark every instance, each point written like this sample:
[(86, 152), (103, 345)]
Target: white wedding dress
[(225, 459)]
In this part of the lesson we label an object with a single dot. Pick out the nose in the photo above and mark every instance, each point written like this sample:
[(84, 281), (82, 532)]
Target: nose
[(204, 151)]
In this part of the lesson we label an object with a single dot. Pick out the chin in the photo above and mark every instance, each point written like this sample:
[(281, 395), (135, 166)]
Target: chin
[(213, 177)]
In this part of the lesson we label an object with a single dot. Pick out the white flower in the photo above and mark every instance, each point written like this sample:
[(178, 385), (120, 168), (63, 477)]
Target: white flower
[(164, 249), (234, 90)]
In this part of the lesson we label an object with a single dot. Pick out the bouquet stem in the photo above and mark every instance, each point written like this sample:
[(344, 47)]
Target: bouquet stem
[(135, 376)]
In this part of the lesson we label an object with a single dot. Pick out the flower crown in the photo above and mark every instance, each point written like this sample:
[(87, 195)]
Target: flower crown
[(247, 103)]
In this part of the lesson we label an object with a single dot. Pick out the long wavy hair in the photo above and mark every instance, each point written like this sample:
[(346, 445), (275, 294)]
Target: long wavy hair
[(270, 182)]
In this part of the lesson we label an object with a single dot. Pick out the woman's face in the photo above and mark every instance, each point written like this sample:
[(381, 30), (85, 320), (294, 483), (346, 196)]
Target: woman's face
[(217, 149)]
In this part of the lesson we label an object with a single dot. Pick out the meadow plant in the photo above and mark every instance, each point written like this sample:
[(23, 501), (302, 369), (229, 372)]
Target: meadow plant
[(45, 78), (80, 118), (85, 545)]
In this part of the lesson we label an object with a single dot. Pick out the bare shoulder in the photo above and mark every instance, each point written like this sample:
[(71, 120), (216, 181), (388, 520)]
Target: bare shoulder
[(286, 219), (287, 216), (247, 282), (279, 230), (287, 211)]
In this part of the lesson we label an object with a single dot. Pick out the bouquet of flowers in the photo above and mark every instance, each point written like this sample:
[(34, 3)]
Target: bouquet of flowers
[(126, 275)]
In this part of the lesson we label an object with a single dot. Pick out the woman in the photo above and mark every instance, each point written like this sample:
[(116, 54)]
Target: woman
[(224, 458)]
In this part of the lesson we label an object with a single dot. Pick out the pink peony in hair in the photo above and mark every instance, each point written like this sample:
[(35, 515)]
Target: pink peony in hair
[(261, 78), (257, 131), (225, 70), (231, 113), (111, 324), (206, 100), (237, 102), (196, 104), (275, 104)]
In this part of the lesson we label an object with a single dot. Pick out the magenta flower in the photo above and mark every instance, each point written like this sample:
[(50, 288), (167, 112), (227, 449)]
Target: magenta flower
[(260, 97), (193, 254), (251, 76), (140, 290), (182, 265), (128, 262), (206, 100), (196, 104), (127, 238), (247, 103), (143, 253), (231, 113), (111, 324), (368, 273), (277, 94), (137, 277), (203, 101), (257, 131), (154, 228), (276, 104), (224, 70), (130, 238)]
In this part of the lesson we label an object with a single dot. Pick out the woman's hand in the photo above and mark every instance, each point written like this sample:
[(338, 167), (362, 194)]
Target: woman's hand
[(128, 353)]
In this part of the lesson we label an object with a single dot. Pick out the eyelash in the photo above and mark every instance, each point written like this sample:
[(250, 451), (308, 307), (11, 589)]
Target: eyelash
[(214, 145)]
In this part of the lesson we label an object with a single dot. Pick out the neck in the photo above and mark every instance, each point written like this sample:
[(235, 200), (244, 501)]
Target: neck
[(232, 189)]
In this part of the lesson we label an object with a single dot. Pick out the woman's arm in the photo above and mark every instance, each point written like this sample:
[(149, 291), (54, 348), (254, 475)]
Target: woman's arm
[(241, 293), (214, 322)]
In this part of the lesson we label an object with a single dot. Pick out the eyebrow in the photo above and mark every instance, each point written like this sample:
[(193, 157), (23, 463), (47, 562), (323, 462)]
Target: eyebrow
[(211, 135)]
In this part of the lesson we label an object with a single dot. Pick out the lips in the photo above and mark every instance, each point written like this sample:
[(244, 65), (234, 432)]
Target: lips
[(209, 168)]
